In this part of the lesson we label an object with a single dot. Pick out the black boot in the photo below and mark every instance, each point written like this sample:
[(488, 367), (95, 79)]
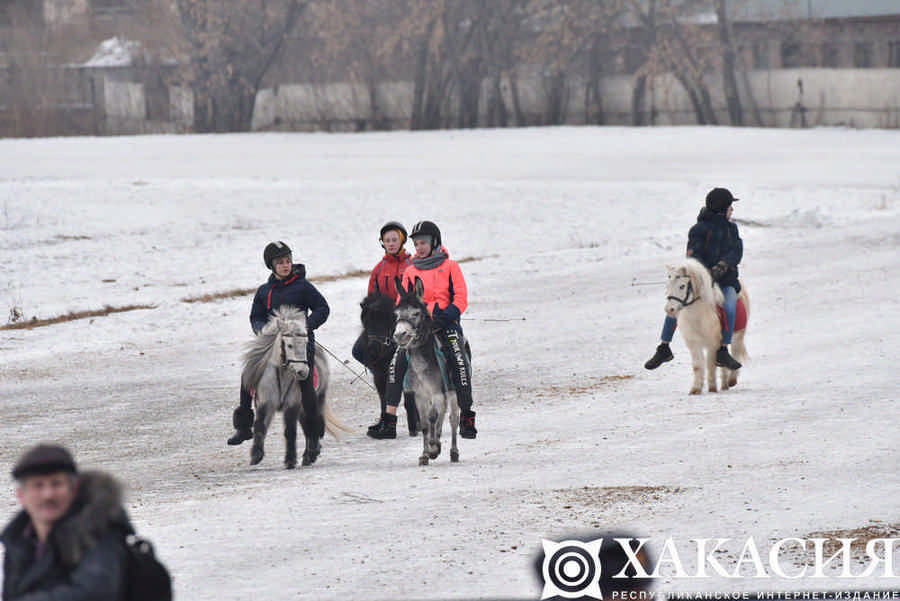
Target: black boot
[(388, 428), (412, 413), (467, 424), (724, 359), (663, 354), (376, 426), (243, 425)]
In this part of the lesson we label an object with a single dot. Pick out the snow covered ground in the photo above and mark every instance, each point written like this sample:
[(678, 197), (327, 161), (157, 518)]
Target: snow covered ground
[(567, 230)]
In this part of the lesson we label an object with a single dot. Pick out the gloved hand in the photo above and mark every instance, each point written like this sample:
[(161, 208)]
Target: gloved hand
[(446, 316), (718, 270)]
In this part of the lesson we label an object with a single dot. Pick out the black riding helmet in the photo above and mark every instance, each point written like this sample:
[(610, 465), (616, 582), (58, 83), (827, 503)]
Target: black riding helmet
[(427, 228), (275, 250), (393, 225), (719, 199)]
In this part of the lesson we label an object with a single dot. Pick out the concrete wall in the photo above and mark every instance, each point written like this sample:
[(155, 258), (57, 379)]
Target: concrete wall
[(862, 98)]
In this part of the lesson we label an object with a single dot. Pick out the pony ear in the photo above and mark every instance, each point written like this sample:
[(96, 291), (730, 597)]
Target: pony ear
[(670, 268), (420, 288)]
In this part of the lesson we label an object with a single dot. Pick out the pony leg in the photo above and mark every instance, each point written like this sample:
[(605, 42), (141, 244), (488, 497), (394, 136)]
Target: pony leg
[(697, 360), (434, 434), (711, 369), (260, 427), (291, 417), (454, 426)]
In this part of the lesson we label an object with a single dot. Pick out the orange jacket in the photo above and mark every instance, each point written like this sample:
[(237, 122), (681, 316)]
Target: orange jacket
[(391, 266), (444, 285)]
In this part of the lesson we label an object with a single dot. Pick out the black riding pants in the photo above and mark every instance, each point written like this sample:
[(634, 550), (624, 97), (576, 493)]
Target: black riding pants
[(451, 343)]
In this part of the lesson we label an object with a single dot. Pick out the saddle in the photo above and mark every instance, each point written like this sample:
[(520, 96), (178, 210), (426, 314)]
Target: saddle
[(740, 315)]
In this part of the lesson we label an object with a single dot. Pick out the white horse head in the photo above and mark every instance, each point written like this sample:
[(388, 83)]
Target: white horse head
[(689, 283)]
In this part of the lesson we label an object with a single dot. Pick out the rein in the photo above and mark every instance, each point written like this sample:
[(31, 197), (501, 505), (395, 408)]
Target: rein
[(687, 294)]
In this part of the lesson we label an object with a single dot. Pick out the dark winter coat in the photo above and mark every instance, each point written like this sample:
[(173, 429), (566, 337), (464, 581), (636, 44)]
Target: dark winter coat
[(85, 557), (296, 291), (714, 238)]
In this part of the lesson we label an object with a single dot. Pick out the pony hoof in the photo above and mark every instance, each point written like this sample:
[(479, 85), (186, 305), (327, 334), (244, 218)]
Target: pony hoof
[(423, 460), (732, 382), (256, 456), (695, 391), (289, 465), (454, 456), (309, 458)]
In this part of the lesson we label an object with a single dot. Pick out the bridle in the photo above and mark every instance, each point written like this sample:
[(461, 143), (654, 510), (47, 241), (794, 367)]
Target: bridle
[(687, 293)]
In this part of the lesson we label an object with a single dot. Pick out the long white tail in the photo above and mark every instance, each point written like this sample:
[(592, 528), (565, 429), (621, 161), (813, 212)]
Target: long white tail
[(333, 424), (738, 348)]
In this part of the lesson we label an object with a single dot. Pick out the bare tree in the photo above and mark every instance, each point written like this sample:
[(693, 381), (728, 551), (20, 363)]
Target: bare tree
[(732, 97), (231, 44)]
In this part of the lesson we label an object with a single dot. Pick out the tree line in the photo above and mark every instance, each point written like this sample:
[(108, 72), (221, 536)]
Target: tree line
[(464, 57)]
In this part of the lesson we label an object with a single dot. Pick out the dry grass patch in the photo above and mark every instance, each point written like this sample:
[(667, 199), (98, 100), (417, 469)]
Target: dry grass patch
[(586, 387), (71, 316)]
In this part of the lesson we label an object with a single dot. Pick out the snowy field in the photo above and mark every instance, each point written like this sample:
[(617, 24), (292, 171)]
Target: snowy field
[(566, 234)]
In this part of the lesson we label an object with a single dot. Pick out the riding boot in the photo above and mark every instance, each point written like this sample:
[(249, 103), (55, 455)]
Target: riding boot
[(388, 428), (243, 425), (376, 426), (724, 359), (663, 354), (467, 424), (412, 413)]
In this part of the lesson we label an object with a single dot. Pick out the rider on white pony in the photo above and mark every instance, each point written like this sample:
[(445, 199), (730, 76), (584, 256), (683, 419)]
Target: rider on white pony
[(447, 297), (715, 242), (287, 285)]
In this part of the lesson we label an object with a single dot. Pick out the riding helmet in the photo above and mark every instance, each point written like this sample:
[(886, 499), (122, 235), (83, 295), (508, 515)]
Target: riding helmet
[(427, 228), (393, 225), (719, 199), (275, 250)]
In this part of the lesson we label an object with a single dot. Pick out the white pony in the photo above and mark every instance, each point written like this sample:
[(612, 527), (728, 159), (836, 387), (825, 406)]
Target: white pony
[(694, 300)]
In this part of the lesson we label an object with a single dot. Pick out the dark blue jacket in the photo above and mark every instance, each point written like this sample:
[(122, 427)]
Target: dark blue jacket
[(296, 291), (85, 556), (714, 238)]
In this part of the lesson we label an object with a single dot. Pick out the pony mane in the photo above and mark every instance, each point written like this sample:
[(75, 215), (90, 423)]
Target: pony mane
[(376, 302), (258, 350), (703, 282)]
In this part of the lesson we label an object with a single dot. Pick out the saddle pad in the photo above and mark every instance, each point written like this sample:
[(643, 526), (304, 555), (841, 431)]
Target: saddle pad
[(740, 315)]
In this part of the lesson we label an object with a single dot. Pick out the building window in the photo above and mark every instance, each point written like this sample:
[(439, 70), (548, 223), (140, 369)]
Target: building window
[(863, 54), (829, 55), (894, 54), (761, 55), (791, 54)]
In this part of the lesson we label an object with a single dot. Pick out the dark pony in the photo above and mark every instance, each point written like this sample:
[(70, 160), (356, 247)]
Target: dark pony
[(414, 333), (378, 321)]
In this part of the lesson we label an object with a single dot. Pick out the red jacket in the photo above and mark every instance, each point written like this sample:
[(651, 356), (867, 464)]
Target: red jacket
[(391, 266), (444, 285)]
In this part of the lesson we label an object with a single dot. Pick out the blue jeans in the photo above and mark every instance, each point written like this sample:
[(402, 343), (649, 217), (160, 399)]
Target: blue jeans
[(731, 297), (730, 313)]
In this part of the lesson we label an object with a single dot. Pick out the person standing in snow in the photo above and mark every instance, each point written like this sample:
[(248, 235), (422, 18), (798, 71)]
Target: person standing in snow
[(714, 241), (382, 281), (287, 285), (68, 541), (446, 296)]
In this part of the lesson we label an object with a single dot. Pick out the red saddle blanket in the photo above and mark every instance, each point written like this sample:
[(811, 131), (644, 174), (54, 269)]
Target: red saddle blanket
[(740, 316)]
